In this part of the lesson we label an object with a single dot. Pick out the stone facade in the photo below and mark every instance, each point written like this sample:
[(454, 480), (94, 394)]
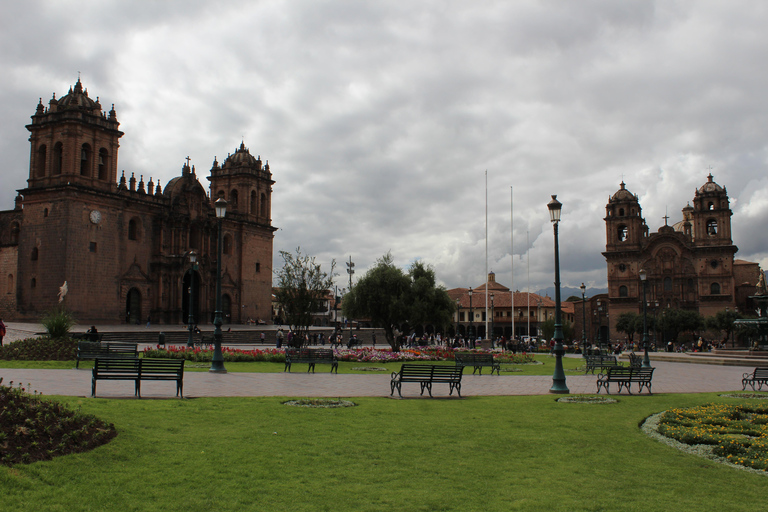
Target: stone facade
[(122, 245), (689, 265)]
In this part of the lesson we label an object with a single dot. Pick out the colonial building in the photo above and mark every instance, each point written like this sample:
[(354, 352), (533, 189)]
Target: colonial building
[(689, 265), (122, 245), (529, 311)]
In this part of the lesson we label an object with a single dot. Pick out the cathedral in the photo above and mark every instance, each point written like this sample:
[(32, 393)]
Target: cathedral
[(116, 250), (689, 265)]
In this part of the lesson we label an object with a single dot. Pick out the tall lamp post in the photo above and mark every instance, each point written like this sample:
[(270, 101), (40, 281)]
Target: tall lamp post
[(583, 320), (491, 337), (470, 336), (558, 378), (191, 317), (217, 363), (644, 278)]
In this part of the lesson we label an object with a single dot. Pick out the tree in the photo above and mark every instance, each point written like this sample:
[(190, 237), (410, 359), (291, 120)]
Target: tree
[(547, 329), (429, 303), (723, 322), (389, 297), (301, 289), (627, 323), (675, 321)]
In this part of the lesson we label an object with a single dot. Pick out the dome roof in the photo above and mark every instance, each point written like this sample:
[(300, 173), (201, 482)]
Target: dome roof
[(623, 195), (710, 186), (78, 99), (242, 158)]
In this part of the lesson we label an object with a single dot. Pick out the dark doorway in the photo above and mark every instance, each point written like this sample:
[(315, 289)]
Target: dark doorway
[(133, 307)]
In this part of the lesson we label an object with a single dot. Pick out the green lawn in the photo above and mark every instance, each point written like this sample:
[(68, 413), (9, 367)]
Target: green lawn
[(478, 453), (547, 366)]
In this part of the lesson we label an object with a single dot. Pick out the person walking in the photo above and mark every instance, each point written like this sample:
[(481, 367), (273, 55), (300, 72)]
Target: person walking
[(2, 332)]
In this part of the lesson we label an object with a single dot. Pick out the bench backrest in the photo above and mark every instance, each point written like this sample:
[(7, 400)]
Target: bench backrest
[(161, 366), (430, 371), (760, 373), (601, 358), (102, 366), (471, 358), (629, 373), (321, 354)]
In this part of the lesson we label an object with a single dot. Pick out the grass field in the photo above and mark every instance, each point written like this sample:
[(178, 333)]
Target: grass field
[(479, 453)]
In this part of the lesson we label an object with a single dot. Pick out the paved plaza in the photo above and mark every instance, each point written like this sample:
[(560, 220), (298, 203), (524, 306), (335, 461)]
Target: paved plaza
[(669, 377)]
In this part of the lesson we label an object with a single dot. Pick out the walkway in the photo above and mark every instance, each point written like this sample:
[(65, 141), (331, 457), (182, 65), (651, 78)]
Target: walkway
[(668, 378)]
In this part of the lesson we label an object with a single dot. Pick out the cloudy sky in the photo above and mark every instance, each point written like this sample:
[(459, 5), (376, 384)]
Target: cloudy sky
[(381, 119)]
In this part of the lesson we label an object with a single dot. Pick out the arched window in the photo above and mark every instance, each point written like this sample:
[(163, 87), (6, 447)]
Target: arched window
[(85, 160), (714, 289), (711, 226), (103, 164), (226, 246), (623, 233), (667, 284), (57, 158), (33, 283), (15, 233), (10, 283), (621, 212), (263, 204), (233, 200), (41, 155), (623, 291), (34, 254), (710, 206), (253, 202), (133, 229)]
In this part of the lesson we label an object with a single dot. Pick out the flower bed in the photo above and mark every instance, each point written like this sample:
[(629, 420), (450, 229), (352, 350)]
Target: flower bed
[(358, 355), (737, 433), (33, 429)]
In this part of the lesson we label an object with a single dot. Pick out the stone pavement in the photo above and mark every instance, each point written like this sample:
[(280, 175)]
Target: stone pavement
[(669, 377)]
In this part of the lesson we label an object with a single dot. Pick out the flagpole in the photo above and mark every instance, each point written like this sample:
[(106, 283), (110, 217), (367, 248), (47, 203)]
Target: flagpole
[(488, 335), (512, 259)]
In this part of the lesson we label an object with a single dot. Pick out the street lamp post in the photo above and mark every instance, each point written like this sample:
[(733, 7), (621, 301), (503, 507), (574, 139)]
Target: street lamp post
[(491, 337), (583, 320), (558, 378), (217, 362), (458, 308), (644, 279), (470, 336), (350, 271), (191, 317)]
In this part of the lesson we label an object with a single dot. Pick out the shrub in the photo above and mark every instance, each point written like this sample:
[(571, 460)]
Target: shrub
[(58, 322), (40, 349)]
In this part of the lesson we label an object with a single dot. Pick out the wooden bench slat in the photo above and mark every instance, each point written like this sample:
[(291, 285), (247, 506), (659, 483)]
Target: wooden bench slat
[(137, 369), (624, 377), (477, 361), (426, 375), (758, 376), (311, 356)]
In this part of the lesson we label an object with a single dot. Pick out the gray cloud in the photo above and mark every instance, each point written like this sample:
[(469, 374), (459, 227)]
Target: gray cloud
[(379, 119)]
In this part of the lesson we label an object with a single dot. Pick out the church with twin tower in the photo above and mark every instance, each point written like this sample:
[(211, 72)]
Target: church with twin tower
[(122, 244)]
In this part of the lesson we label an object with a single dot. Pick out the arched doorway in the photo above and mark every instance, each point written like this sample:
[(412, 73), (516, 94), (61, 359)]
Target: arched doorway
[(191, 282), (133, 307)]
